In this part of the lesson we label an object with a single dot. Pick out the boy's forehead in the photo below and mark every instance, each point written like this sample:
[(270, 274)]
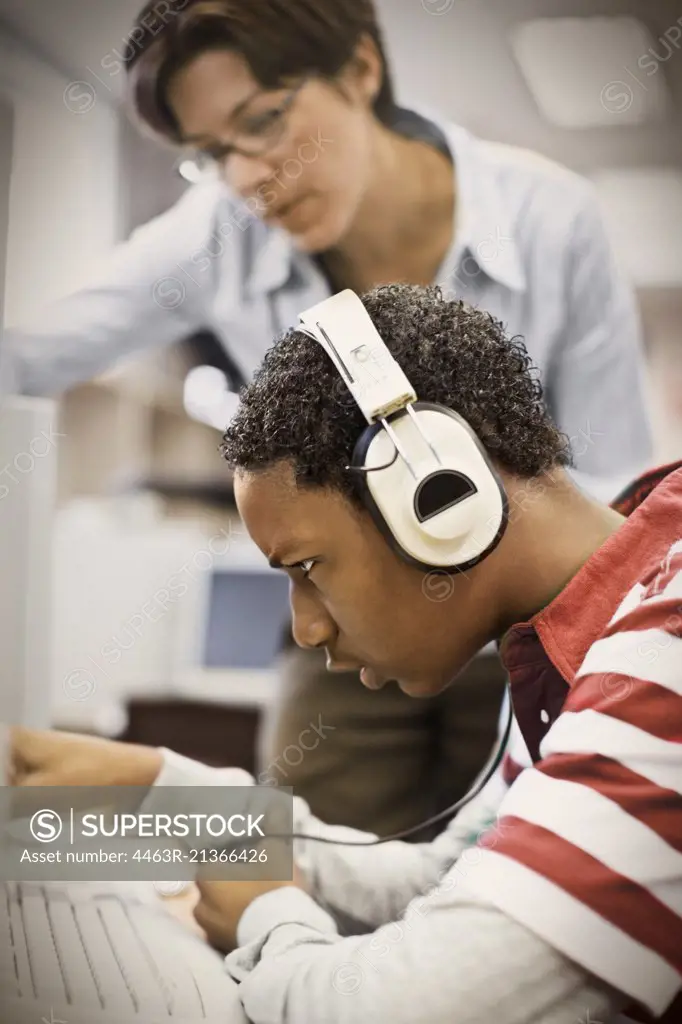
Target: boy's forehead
[(273, 489), (279, 513)]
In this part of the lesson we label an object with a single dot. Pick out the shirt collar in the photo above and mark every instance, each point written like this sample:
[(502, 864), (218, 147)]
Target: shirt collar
[(483, 228), (484, 223), (272, 264), (653, 505)]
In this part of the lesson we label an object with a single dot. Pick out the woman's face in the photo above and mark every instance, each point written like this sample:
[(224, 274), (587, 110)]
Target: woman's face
[(303, 153)]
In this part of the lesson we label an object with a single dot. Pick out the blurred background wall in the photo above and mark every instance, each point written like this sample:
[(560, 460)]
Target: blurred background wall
[(594, 84)]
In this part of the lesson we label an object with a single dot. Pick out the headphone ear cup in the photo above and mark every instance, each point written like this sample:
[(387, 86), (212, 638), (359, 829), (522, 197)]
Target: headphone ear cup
[(447, 514), (441, 490)]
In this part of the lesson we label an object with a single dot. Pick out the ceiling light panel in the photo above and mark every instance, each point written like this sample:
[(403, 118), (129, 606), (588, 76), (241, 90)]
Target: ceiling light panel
[(588, 72)]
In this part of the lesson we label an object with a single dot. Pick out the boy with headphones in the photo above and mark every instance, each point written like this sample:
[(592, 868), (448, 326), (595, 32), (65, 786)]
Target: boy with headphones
[(430, 515)]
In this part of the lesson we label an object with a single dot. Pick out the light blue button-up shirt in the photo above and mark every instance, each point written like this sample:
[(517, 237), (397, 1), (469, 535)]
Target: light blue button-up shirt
[(529, 246)]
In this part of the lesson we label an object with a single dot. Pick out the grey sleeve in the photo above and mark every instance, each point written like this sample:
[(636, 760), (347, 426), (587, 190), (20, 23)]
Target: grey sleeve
[(360, 887), (365, 887), (449, 959), (597, 383), (153, 291)]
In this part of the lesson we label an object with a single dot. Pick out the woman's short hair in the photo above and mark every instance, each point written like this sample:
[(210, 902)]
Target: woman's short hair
[(279, 39)]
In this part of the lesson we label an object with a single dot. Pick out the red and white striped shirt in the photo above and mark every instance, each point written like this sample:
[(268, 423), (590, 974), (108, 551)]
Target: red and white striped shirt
[(587, 851)]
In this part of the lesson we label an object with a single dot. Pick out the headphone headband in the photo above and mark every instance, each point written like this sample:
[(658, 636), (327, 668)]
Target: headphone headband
[(345, 330), (441, 504)]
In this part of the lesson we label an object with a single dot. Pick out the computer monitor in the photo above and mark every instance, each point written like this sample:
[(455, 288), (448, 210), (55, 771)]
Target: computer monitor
[(248, 615), (28, 467), (232, 626)]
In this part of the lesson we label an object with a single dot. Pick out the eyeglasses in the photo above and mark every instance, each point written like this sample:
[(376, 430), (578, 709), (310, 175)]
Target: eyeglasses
[(257, 132)]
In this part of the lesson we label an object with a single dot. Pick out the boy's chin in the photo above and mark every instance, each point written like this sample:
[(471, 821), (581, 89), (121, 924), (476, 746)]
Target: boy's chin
[(421, 687)]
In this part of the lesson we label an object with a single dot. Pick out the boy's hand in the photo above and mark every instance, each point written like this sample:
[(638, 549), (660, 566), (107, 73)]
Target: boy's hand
[(222, 904), (45, 758)]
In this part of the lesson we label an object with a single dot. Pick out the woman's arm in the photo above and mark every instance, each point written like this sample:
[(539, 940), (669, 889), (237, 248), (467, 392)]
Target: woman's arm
[(155, 290)]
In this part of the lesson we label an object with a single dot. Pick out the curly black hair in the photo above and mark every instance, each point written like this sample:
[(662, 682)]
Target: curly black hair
[(298, 409)]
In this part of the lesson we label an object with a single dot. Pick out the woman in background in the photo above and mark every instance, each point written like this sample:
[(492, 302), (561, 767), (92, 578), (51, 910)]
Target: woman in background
[(317, 181)]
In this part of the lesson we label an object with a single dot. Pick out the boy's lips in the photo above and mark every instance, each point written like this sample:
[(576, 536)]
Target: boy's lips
[(368, 676), (370, 679), (337, 665)]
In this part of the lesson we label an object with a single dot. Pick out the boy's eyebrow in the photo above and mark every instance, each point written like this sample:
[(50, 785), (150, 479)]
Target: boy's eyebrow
[(275, 561)]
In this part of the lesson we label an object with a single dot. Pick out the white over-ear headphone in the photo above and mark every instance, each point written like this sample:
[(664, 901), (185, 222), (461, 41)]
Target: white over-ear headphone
[(425, 477)]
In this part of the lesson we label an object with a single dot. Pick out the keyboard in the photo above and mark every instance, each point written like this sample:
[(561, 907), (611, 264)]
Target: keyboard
[(88, 953)]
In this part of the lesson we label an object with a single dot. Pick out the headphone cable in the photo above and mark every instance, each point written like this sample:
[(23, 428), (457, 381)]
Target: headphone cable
[(484, 777)]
